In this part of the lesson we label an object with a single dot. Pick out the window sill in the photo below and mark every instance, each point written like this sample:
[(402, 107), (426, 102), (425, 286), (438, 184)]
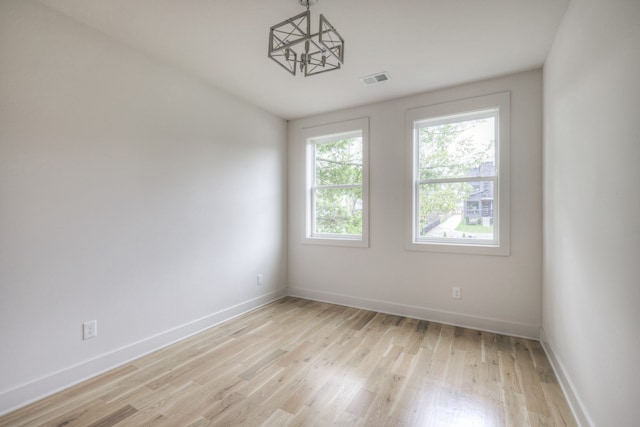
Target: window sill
[(336, 241), (455, 248)]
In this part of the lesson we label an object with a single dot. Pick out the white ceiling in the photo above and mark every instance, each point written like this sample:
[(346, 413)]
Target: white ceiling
[(422, 44)]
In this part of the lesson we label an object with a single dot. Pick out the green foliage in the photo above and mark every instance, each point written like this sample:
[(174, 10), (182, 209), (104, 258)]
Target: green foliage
[(339, 210), (451, 151)]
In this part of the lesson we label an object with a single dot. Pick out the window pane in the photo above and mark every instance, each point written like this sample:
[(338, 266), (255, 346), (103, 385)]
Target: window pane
[(338, 211), (456, 210), (460, 149), (339, 162)]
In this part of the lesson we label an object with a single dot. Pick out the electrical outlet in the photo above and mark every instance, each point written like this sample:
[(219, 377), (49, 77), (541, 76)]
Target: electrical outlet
[(260, 280), (456, 294), (89, 329)]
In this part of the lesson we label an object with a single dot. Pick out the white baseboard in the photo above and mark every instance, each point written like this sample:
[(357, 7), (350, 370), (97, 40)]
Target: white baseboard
[(487, 324), (25, 394), (575, 403)]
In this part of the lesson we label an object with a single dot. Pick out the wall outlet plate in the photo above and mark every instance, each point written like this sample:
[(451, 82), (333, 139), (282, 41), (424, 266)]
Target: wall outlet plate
[(89, 329), (456, 293)]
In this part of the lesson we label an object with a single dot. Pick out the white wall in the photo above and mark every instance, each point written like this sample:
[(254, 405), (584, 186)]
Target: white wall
[(130, 193), (592, 209), (498, 293)]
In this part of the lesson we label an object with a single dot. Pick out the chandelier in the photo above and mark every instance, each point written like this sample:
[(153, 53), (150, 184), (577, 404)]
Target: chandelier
[(293, 46)]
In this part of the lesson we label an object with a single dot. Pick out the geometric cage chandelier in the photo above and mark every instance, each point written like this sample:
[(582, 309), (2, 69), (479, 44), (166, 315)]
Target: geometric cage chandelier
[(294, 47)]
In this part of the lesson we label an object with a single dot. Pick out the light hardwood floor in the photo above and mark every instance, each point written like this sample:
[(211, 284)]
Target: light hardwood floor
[(302, 363)]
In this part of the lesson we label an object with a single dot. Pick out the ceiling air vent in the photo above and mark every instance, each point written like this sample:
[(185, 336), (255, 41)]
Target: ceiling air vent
[(375, 78)]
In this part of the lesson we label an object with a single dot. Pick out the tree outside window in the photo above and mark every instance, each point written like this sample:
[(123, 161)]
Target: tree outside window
[(454, 155), (337, 183), (337, 193)]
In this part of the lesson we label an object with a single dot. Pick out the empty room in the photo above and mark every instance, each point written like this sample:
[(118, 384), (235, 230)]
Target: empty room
[(314, 213)]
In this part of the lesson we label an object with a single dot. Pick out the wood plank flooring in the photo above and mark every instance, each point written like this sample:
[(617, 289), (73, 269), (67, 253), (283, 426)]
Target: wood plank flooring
[(302, 363)]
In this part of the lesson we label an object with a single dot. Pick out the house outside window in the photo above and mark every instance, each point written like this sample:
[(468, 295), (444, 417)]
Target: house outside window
[(458, 176), (337, 201)]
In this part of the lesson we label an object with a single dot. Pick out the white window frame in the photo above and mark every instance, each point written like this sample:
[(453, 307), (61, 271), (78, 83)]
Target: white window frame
[(321, 134), (455, 111)]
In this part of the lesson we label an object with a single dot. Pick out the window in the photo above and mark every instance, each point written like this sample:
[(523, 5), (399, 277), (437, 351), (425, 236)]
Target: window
[(337, 183), (459, 175)]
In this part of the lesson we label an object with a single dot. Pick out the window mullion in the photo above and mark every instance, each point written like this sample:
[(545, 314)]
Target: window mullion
[(336, 187), (464, 179)]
